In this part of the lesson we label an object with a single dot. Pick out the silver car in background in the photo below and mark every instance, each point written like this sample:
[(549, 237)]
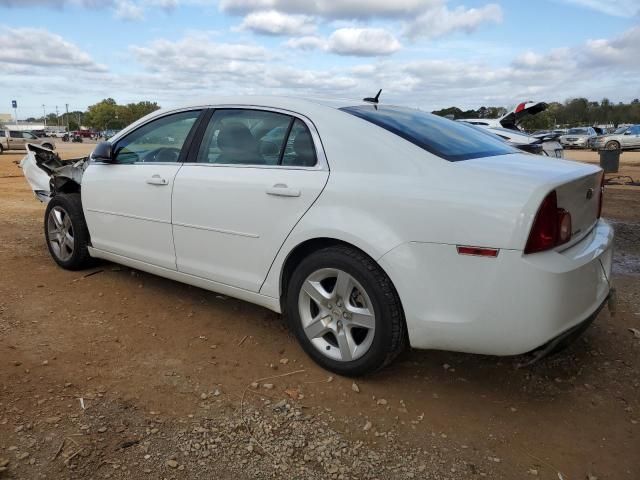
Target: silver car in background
[(624, 138), (581, 137)]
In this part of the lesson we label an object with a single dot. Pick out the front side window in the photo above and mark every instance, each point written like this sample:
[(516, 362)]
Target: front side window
[(160, 140), (450, 140), (635, 130), (28, 135)]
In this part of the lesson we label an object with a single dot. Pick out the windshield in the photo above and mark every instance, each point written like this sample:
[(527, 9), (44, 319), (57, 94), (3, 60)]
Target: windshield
[(445, 138), (578, 131)]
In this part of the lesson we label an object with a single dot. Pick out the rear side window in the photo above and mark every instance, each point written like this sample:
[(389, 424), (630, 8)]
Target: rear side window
[(256, 137), (445, 138)]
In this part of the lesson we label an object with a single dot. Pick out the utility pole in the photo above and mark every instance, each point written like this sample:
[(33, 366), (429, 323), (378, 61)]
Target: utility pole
[(44, 114), (57, 118), (66, 106)]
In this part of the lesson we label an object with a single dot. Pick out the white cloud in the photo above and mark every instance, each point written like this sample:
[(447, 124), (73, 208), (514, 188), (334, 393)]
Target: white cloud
[(197, 56), (40, 48), (363, 42), (332, 8), (129, 11), (272, 22), (440, 20), (622, 50), (618, 8), (310, 42)]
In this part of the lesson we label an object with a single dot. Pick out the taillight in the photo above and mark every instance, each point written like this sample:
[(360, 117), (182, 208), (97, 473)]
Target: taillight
[(551, 227), (600, 200)]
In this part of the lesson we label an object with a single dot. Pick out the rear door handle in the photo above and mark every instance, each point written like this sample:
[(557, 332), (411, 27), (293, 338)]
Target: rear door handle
[(157, 180), (283, 190)]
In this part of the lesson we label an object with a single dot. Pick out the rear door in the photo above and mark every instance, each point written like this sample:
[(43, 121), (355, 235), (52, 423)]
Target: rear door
[(127, 203), (255, 174)]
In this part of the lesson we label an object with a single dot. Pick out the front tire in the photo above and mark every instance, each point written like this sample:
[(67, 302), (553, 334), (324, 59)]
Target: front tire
[(66, 233), (345, 312)]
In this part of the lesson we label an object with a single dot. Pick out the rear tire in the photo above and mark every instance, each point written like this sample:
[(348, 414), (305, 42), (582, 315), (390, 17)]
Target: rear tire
[(613, 145), (355, 325), (66, 233), (1, 150)]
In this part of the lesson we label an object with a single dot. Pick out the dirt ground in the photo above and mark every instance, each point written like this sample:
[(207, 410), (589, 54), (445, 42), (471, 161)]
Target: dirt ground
[(114, 373)]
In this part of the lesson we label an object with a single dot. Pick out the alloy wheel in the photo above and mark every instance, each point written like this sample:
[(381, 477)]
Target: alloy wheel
[(337, 314), (60, 233)]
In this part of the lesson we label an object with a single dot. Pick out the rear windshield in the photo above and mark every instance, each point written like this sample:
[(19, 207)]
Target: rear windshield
[(445, 138), (578, 131)]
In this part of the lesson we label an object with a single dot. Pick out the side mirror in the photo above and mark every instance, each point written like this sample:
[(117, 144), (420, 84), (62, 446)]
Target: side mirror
[(103, 152), (628, 132)]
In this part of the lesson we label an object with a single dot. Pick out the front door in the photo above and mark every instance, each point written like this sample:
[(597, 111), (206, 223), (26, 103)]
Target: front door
[(631, 138), (255, 175), (127, 202), (16, 140)]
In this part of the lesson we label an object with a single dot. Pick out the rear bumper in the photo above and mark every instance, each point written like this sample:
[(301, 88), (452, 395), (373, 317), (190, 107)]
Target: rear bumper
[(507, 305)]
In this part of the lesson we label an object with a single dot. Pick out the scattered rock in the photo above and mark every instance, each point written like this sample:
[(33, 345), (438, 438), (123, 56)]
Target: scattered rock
[(381, 401), (284, 361), (267, 386), (533, 471), (52, 419), (355, 387), (254, 385), (367, 426), (172, 464)]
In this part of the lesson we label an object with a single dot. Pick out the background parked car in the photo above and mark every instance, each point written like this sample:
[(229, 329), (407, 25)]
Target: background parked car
[(508, 128), (580, 137), (624, 138), (17, 140)]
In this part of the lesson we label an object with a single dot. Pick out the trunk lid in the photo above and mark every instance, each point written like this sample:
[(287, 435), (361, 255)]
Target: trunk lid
[(521, 112), (532, 178), (581, 198)]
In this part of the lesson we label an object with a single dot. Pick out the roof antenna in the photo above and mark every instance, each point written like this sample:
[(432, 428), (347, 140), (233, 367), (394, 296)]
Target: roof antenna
[(373, 99)]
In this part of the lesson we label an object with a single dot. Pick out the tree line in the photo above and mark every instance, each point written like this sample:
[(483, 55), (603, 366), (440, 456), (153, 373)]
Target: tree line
[(104, 115), (574, 112)]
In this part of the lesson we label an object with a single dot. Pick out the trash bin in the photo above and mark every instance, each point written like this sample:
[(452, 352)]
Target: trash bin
[(610, 160)]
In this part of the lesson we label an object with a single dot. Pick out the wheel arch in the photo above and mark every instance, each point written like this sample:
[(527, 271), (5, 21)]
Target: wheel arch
[(306, 248)]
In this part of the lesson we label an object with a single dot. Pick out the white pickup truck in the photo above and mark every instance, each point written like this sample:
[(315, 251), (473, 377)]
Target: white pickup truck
[(17, 140)]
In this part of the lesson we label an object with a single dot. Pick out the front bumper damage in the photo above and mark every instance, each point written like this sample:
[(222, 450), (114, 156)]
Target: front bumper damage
[(48, 174)]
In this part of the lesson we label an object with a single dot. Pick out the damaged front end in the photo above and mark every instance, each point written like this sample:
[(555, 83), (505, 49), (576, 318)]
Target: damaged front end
[(48, 175)]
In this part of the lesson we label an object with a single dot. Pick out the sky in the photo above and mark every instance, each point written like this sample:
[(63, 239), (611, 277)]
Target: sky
[(428, 54)]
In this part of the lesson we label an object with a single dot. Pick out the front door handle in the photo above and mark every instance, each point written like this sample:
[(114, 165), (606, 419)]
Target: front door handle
[(157, 180), (283, 190)]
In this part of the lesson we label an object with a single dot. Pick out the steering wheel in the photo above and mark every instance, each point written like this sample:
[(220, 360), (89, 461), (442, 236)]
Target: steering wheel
[(163, 155)]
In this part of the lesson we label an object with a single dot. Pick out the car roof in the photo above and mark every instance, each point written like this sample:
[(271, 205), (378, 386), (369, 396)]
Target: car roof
[(300, 105)]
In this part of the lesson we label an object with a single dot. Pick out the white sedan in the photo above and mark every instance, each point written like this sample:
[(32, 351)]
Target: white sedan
[(369, 226)]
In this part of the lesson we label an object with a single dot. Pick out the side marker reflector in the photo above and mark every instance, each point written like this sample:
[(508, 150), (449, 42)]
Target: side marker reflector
[(477, 251)]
